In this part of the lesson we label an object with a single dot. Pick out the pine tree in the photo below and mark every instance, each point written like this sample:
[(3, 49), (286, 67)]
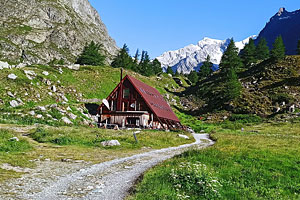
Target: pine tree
[(145, 65), (91, 55), (206, 68), (193, 77), (230, 59), (233, 86), (278, 51), (156, 66), (262, 50), (170, 70), (123, 59), (248, 54), (298, 47)]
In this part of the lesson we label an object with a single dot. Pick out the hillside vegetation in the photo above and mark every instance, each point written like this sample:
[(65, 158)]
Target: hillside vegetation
[(46, 94), (269, 89)]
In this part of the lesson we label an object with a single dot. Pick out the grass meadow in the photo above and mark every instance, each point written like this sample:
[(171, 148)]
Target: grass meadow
[(261, 162)]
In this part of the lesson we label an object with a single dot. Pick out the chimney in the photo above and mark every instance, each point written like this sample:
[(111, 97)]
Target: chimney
[(121, 74)]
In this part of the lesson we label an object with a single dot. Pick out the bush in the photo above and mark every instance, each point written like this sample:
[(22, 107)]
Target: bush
[(195, 179), (241, 118)]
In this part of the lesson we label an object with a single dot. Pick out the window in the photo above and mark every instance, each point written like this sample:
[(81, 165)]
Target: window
[(126, 93)]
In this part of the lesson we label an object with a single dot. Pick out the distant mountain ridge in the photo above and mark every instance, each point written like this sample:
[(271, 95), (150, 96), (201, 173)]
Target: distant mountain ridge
[(39, 31), (286, 24), (191, 57)]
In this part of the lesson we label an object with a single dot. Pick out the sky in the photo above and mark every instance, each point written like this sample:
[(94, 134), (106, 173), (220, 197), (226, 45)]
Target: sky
[(157, 26)]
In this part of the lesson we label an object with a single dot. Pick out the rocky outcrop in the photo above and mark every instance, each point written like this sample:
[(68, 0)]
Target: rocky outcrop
[(39, 31)]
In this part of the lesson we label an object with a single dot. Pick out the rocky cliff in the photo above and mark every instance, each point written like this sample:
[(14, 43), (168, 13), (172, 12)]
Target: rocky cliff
[(39, 31)]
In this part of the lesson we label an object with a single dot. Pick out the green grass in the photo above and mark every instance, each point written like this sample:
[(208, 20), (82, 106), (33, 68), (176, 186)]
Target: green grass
[(12, 146), (262, 162), (94, 137)]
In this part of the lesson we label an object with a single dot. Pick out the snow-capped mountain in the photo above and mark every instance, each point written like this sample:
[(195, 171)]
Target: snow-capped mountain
[(192, 56)]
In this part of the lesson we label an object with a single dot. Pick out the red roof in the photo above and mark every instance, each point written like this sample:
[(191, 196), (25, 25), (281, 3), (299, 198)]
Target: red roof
[(154, 99)]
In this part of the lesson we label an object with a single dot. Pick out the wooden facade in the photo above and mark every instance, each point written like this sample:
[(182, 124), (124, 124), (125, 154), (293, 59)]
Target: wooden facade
[(134, 104)]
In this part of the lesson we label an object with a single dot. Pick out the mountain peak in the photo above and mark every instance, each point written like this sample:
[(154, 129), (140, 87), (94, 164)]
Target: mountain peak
[(281, 11)]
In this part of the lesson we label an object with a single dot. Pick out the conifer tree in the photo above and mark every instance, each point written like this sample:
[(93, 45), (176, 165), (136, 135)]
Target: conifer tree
[(278, 51), (206, 68), (233, 86), (145, 65), (193, 77), (298, 47), (156, 66), (262, 50), (170, 70), (248, 54), (123, 59), (91, 55), (230, 59), (230, 64)]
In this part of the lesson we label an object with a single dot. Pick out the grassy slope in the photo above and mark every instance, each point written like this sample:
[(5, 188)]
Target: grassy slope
[(260, 163), (91, 82), (265, 85)]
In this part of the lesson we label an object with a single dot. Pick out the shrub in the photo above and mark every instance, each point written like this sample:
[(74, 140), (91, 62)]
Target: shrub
[(195, 179), (242, 118)]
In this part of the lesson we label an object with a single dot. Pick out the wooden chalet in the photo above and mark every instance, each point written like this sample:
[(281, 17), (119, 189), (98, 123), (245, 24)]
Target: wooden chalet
[(135, 104)]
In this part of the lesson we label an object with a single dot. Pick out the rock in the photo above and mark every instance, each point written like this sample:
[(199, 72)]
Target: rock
[(32, 113), (202, 131), (64, 98), (170, 75), (30, 72), (69, 109), (72, 116), (53, 88), (42, 108), (66, 120), (4, 65), (21, 65), (50, 93), (14, 139), (183, 136), (74, 67), (12, 76), (51, 33), (38, 96), (39, 116), (53, 106), (110, 143), (48, 82), (292, 109), (45, 73), (10, 94), (60, 70), (14, 103)]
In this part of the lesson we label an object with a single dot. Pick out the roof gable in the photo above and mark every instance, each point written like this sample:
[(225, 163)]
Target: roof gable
[(154, 99)]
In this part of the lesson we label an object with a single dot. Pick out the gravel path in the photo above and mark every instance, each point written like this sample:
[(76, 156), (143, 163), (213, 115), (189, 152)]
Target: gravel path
[(105, 181)]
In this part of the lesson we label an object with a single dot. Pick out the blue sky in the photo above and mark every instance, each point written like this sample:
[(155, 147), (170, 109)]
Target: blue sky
[(162, 25)]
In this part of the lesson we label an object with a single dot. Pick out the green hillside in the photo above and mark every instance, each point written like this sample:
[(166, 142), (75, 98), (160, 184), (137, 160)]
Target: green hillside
[(73, 88)]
